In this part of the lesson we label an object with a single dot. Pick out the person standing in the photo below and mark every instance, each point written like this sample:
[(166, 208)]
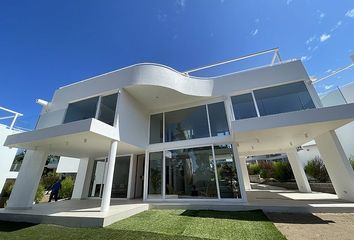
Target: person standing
[(55, 190)]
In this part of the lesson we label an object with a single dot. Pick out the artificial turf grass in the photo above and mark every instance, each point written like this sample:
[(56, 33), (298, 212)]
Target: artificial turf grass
[(158, 224)]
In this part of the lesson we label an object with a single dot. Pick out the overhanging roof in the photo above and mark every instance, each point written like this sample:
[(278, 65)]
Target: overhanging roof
[(279, 132), (85, 138)]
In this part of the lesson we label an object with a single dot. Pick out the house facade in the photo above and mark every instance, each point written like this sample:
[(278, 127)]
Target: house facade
[(148, 131)]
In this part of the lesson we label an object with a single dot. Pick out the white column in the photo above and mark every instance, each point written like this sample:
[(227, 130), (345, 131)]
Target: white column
[(246, 177), (239, 173), (337, 164), (107, 190), (298, 171), (89, 172), (27, 181), (80, 179)]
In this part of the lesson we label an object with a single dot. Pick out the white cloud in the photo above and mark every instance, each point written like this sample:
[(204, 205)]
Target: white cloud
[(254, 32), (329, 70), (288, 2), (322, 15), (335, 27), (324, 37), (256, 20), (311, 39), (181, 3), (305, 58), (350, 13), (328, 86)]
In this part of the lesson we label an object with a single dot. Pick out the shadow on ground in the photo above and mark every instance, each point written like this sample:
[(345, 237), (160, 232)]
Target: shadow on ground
[(296, 218), (257, 215), (14, 226)]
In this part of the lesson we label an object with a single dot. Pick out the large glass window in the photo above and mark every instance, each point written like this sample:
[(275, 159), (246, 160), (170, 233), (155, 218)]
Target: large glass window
[(156, 128), (243, 106), (218, 120), (155, 175), (227, 174), (108, 109), (121, 177), (81, 110), (284, 98), (190, 173), (186, 124)]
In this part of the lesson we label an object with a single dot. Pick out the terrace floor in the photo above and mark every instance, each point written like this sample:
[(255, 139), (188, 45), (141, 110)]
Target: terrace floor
[(85, 213)]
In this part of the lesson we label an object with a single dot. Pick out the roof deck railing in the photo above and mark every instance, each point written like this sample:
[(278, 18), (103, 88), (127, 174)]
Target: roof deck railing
[(12, 115), (275, 59)]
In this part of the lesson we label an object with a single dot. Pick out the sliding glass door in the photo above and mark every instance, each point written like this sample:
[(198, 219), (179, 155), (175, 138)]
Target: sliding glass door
[(207, 172), (120, 178)]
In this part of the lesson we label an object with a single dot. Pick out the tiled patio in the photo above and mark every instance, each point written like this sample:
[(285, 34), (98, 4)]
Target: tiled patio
[(85, 213)]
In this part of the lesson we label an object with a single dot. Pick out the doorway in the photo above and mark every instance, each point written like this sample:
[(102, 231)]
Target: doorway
[(139, 176)]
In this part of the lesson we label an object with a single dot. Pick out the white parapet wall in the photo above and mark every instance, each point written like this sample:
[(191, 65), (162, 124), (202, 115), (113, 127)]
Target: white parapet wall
[(68, 165)]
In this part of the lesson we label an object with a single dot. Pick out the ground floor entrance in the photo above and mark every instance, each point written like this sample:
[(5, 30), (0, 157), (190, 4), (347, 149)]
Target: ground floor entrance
[(127, 181)]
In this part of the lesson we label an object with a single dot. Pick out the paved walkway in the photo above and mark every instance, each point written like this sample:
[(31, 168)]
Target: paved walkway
[(318, 226)]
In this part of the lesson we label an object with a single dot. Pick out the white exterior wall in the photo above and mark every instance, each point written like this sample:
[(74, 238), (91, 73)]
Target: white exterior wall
[(68, 165), (7, 156)]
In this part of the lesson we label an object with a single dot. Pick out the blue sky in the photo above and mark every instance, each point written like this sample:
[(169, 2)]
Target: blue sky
[(48, 44)]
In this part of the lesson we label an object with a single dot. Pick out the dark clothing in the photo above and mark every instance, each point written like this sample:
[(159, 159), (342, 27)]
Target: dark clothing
[(56, 187), (55, 195), (55, 191)]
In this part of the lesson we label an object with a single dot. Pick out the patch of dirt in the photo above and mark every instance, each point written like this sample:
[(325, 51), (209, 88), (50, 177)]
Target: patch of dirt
[(324, 226)]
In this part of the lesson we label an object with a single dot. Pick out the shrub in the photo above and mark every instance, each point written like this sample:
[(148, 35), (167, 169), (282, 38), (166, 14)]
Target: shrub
[(67, 187), (7, 189), (48, 181), (253, 169), (40, 193), (316, 169), (266, 169), (282, 171)]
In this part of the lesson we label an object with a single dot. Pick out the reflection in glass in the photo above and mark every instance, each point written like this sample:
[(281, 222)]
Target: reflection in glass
[(218, 120), (155, 175), (243, 106), (156, 128), (186, 124), (108, 108), (97, 178), (226, 170), (81, 110), (284, 98), (121, 177), (190, 173)]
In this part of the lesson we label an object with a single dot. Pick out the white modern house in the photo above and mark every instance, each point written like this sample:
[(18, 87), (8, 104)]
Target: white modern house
[(148, 131), (8, 170)]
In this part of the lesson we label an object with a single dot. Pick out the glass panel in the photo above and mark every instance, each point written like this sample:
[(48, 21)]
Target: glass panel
[(243, 106), (96, 184), (284, 98), (121, 177), (155, 175), (81, 110), (190, 173), (226, 169), (156, 128), (218, 120), (108, 109), (186, 124)]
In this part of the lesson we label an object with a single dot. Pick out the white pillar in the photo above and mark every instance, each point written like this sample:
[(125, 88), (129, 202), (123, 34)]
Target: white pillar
[(27, 181), (337, 164), (298, 171), (88, 178), (245, 176), (107, 190), (239, 173), (80, 179)]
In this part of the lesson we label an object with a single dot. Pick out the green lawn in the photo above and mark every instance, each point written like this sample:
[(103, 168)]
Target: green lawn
[(158, 224)]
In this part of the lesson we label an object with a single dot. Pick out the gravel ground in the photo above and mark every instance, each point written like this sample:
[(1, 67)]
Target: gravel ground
[(338, 226)]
